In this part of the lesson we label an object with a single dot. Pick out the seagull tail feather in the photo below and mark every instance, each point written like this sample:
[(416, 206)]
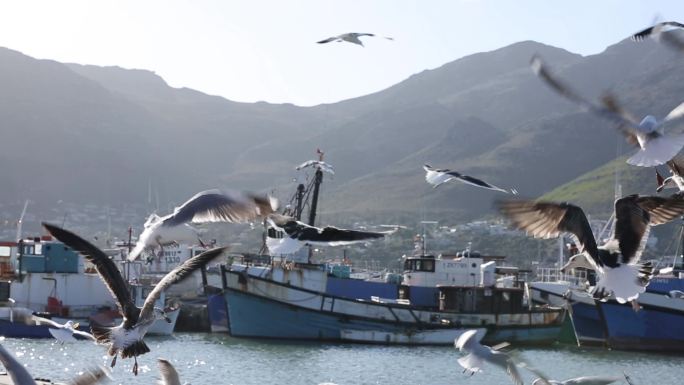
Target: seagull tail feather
[(137, 348)]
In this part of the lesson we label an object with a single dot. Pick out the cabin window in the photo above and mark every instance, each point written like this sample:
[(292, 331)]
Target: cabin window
[(38, 249), (5, 251)]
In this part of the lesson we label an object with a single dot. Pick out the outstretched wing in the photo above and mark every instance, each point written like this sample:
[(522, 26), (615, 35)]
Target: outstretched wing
[(634, 215), (550, 219), (169, 375), (107, 269), (540, 70), (333, 236), (215, 206), (41, 320), (16, 371), (176, 275), (592, 380), (328, 40)]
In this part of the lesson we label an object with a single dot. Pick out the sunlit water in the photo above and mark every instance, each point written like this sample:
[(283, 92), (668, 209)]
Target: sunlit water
[(218, 359)]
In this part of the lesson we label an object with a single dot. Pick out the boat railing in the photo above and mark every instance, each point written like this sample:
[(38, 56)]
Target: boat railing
[(554, 274)]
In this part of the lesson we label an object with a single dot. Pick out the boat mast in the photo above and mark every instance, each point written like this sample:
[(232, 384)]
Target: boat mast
[(317, 185)]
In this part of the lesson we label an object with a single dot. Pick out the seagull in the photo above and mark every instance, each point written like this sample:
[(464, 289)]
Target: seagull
[(205, 206), (655, 147), (478, 354), (589, 380), (63, 332), (616, 262), (657, 31), (676, 179), (298, 234), (169, 375), (21, 376), (351, 37), (436, 177), (127, 337), (318, 164)]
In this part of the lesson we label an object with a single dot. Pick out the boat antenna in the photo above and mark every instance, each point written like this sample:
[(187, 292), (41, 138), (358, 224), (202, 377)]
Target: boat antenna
[(424, 241)]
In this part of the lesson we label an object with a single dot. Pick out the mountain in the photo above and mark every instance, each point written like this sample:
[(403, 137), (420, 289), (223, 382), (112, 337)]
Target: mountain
[(107, 135)]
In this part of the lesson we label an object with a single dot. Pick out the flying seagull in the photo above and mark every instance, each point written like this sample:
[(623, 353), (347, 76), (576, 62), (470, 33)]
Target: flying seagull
[(351, 37), (127, 338), (655, 147), (298, 234), (676, 178), (169, 375), (63, 332), (659, 32), (21, 376), (205, 206), (616, 262), (478, 354), (318, 164), (589, 380), (436, 177)]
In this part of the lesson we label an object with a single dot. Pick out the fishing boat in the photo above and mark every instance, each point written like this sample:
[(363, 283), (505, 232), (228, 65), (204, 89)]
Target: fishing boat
[(439, 297)]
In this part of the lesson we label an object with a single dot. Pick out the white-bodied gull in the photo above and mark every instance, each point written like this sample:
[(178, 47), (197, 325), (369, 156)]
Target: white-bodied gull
[(436, 177), (617, 261), (63, 332), (318, 164), (660, 32), (169, 375), (20, 376), (655, 146), (478, 354), (205, 206), (127, 338), (351, 37), (588, 380), (298, 234)]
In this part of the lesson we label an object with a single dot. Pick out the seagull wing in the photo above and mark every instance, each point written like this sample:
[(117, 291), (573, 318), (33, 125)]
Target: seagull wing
[(634, 215), (328, 40), (503, 360), (105, 266), (550, 219), (169, 375), (215, 206), (50, 322), (467, 341), (16, 371), (176, 275), (676, 113), (540, 70), (308, 163), (84, 334), (641, 35), (333, 236), (592, 380), (96, 375), (478, 183)]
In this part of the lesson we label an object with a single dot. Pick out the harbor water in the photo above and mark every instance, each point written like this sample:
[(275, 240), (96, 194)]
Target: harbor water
[(218, 359)]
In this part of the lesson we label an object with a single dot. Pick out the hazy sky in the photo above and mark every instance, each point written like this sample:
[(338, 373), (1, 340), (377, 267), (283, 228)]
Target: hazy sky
[(255, 50)]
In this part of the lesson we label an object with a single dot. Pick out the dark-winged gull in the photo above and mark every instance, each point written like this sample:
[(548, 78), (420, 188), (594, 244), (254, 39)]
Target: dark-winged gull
[(659, 32), (63, 332), (205, 206), (127, 337), (655, 146), (478, 354), (298, 234), (617, 261), (351, 37), (20, 376), (169, 375), (436, 177), (318, 164)]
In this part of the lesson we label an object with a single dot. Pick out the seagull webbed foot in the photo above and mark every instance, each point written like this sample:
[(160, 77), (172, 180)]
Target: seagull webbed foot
[(135, 366), (113, 361)]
